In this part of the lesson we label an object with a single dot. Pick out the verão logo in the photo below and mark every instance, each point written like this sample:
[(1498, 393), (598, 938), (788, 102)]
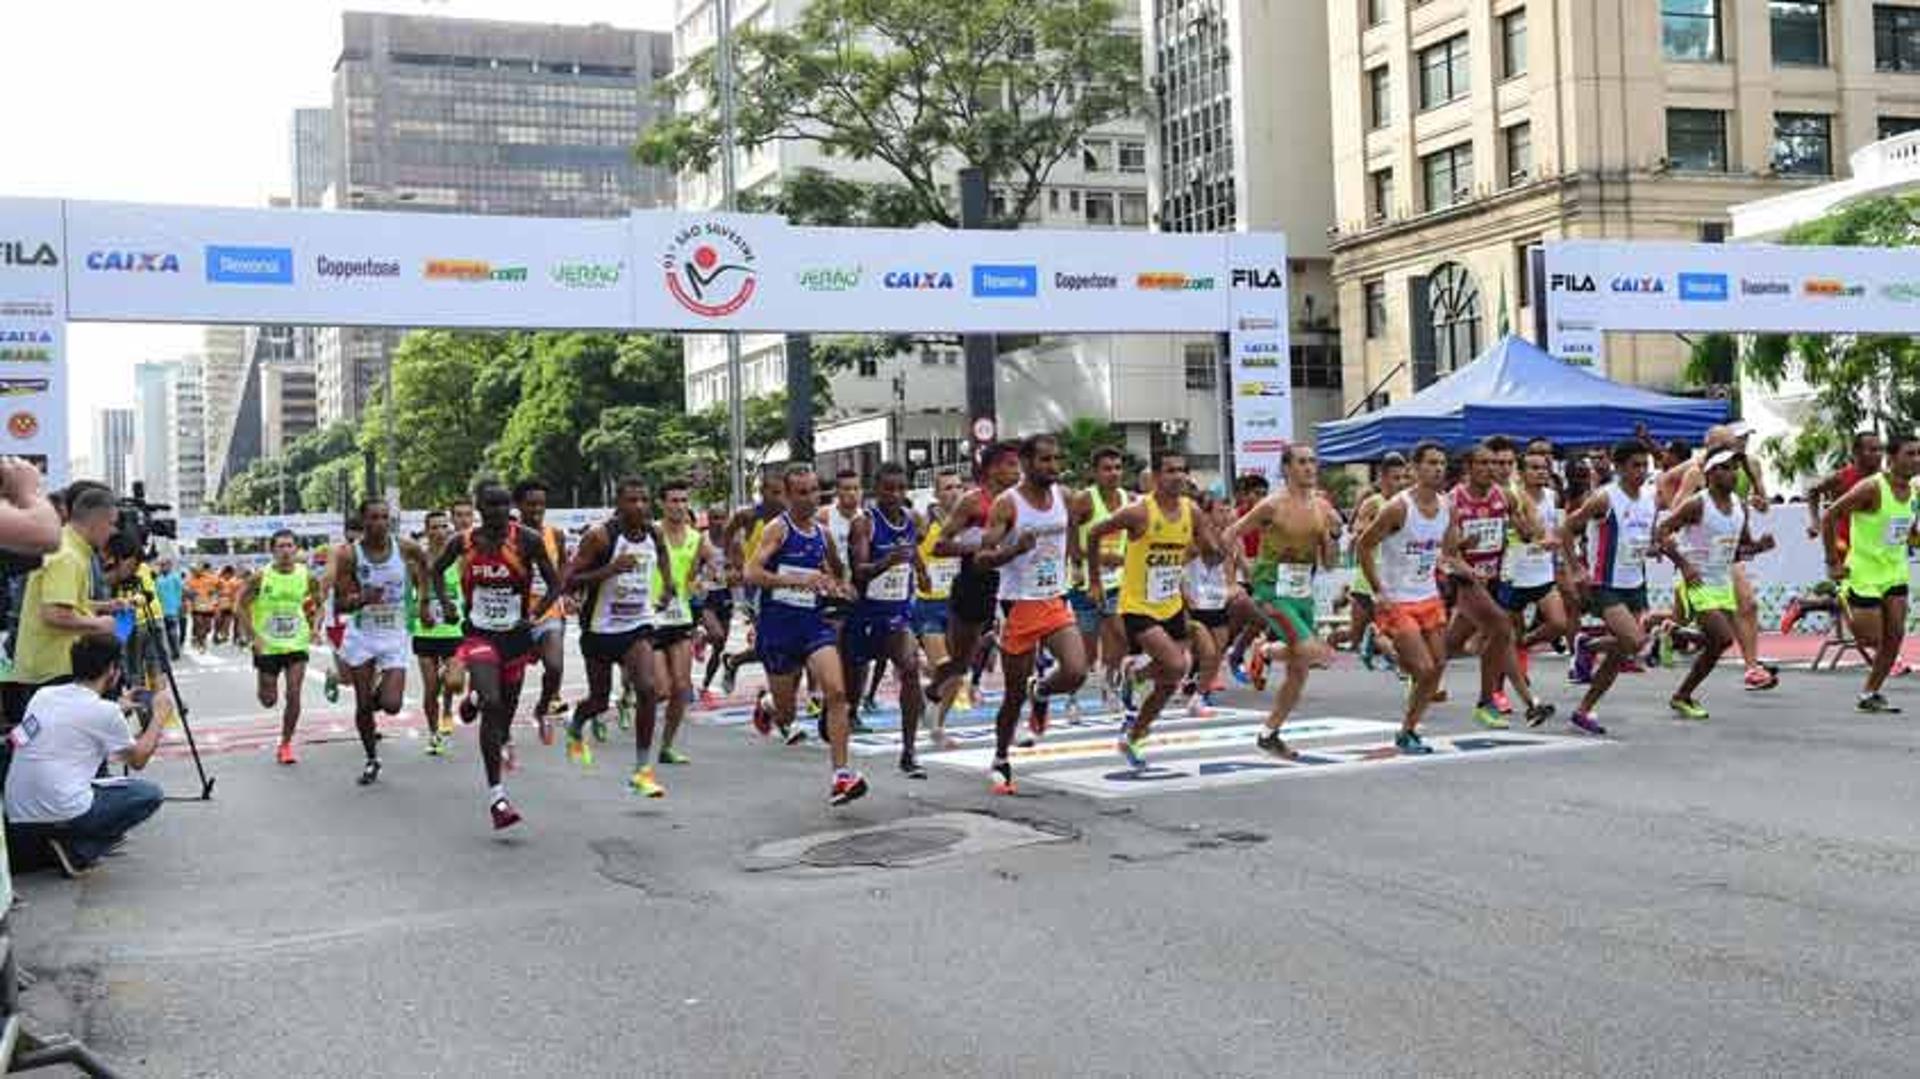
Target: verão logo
[(710, 269), (27, 253)]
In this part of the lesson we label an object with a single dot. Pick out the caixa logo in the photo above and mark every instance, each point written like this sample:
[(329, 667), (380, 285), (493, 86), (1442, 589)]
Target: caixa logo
[(1648, 286), (1570, 282), (26, 253), (1257, 277)]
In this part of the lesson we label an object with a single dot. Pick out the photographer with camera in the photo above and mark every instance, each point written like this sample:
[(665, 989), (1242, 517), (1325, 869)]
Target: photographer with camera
[(65, 599)]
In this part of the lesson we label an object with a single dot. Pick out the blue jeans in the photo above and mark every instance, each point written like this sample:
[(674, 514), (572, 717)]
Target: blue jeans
[(116, 810)]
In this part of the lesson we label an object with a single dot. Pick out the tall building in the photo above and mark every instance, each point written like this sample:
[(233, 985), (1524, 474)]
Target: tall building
[(288, 405), (113, 447), (153, 428), (223, 380), (311, 143), (275, 403), (187, 471), (914, 402), (1467, 131), (482, 117), (1240, 142)]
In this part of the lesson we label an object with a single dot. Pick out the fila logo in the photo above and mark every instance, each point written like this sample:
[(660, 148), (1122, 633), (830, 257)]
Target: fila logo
[(18, 253)]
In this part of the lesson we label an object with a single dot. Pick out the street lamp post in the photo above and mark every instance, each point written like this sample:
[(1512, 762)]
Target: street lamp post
[(736, 400)]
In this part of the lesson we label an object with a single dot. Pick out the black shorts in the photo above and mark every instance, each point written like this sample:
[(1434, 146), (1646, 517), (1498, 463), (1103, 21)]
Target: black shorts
[(276, 662), (974, 592), (611, 647), (667, 636), (720, 602), (1209, 619), (436, 647), (1139, 624), (1869, 603), (1516, 599)]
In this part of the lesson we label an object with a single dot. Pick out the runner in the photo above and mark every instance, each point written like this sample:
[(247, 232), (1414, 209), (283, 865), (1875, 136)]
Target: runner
[(226, 600), (336, 618), (1618, 520), (1882, 510), (1298, 535), (1867, 458), (689, 557), (1370, 643), (1760, 675), (203, 592), (743, 533), (617, 564), (715, 603), (1102, 632), (1030, 540), (1530, 571), (930, 606), (463, 514), (1210, 586), (1483, 513), (837, 518), (550, 630), (497, 561), (884, 546), (1716, 537), (283, 604), (1419, 537), (436, 637), (373, 581), (970, 607), (795, 562)]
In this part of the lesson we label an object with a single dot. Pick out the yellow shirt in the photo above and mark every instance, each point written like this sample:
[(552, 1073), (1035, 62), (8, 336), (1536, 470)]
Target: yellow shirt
[(43, 653), (940, 570), (1156, 562)]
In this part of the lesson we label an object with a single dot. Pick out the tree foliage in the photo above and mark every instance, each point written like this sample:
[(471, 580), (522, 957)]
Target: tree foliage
[(1857, 381), (920, 86)]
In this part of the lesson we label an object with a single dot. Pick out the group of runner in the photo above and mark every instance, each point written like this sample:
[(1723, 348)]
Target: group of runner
[(1163, 591)]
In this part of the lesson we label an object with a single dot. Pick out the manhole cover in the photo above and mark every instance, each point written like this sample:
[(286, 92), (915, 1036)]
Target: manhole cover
[(882, 846)]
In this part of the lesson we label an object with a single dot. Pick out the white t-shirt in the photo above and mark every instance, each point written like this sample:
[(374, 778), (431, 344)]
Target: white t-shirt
[(68, 733)]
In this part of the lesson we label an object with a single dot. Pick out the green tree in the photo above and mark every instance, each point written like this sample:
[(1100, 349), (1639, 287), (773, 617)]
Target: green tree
[(1080, 438), (443, 420), (1006, 86), (1858, 381)]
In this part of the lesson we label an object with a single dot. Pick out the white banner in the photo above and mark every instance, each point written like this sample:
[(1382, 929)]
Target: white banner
[(1259, 361), (33, 335), (1595, 286), (332, 525)]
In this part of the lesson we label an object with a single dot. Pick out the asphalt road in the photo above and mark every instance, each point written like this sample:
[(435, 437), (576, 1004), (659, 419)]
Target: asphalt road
[(1734, 898)]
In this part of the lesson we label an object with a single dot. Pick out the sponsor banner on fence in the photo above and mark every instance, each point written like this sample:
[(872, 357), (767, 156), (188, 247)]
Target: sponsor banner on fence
[(1260, 363), (33, 335), (305, 525)]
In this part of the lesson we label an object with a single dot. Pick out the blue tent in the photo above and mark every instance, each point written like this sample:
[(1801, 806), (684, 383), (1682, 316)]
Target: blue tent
[(1516, 389)]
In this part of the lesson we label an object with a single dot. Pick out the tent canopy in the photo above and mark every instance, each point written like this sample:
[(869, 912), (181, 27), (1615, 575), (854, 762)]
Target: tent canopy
[(1516, 389)]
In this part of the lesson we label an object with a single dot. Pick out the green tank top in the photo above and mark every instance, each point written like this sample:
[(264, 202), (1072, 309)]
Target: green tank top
[(1115, 543), (681, 559), (1877, 552), (448, 626), (280, 611)]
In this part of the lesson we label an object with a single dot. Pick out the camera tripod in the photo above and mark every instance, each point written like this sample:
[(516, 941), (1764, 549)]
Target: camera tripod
[(145, 631)]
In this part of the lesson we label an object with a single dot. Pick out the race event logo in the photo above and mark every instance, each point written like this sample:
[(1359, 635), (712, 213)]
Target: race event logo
[(23, 425), (16, 354), (830, 278), (1006, 282), (26, 346), (26, 253), (1570, 282), (1750, 287), (133, 262), (1901, 291), (927, 280), (1172, 282), (1085, 282), (1704, 288), (472, 270), (1259, 277), (23, 387), (710, 269), (587, 275), (249, 265), (1647, 286), (25, 309), (1829, 289), (349, 269)]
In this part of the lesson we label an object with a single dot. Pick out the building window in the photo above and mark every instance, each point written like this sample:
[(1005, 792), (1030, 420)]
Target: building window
[(1448, 175), (1802, 144), (1697, 140), (1053, 198), (1896, 38), (1713, 232), (1519, 139), (1513, 44), (1096, 156), (1099, 205), (1379, 104), (1375, 294), (1799, 32), (1690, 29), (1315, 367), (1893, 126), (1444, 71), (1133, 208), (1523, 257), (1454, 308), (1203, 367), (1382, 184), (869, 367), (1133, 157), (1376, 12)]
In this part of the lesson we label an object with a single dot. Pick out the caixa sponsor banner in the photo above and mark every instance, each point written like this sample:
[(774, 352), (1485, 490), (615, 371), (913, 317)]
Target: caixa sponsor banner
[(33, 335)]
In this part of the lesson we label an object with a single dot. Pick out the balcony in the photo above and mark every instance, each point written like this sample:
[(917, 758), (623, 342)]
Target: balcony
[(1881, 168)]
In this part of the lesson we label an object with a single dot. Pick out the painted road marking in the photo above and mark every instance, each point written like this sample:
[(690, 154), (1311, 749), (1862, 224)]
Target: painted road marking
[(1211, 736), (1237, 769), (980, 733)]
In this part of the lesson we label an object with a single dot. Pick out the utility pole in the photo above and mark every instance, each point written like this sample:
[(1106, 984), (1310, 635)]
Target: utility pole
[(982, 418), (736, 389)]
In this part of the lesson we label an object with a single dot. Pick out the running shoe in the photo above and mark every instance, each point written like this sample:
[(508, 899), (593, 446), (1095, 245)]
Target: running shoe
[(1488, 715), (598, 725), (504, 815), (1409, 744), (1130, 749), (446, 726), (1126, 695), (544, 724), (847, 786), (709, 700), (1367, 652), (813, 704), (1037, 720), (1580, 671), (964, 701), (1235, 668), (1663, 650), (1877, 703), (1501, 703), (370, 772), (792, 735), (1270, 742), (1189, 686), (763, 714), (579, 751), (1687, 709), (469, 707), (729, 671), (1791, 617), (1439, 696), (71, 867), (1586, 722), (1200, 706), (910, 767), (1759, 677), (1632, 665), (284, 754), (1003, 777), (1899, 669), (669, 755), (331, 689), (436, 746), (643, 783), (1539, 712)]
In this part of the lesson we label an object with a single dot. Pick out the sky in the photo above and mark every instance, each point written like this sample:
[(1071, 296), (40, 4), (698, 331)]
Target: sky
[(188, 101)]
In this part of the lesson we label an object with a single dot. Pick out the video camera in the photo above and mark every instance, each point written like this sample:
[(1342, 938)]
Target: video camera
[(139, 522)]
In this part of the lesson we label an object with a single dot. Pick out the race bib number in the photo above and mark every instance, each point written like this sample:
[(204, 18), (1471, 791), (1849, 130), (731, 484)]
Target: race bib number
[(1209, 593), (1898, 528), (1633, 545), (1294, 580), (380, 616), (496, 609), (1483, 535), (1049, 574), (631, 592), (677, 613), (283, 627), (1163, 583), (795, 597), (941, 573), (1722, 550), (893, 586), (1425, 561)]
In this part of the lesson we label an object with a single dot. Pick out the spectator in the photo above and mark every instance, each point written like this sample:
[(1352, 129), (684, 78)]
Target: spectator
[(28, 521), (69, 734), (204, 587), (64, 599), (171, 586)]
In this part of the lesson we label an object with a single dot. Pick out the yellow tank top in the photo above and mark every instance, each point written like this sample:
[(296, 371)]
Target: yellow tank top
[(1150, 580), (940, 571)]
